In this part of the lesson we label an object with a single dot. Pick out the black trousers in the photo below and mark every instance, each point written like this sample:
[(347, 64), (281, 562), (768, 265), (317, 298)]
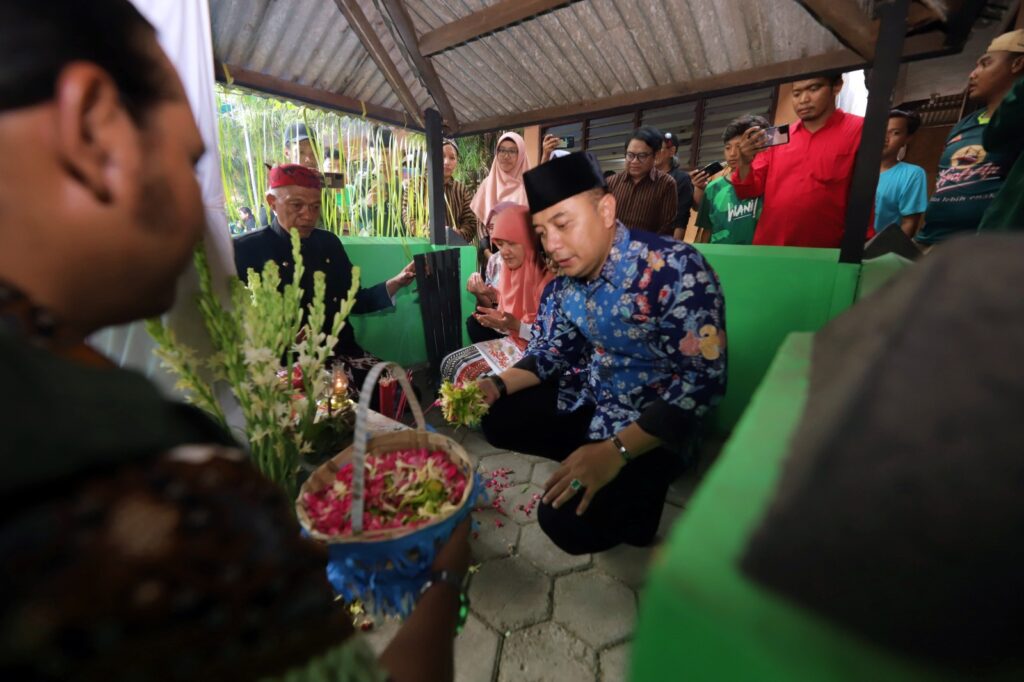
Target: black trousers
[(628, 509), (479, 333)]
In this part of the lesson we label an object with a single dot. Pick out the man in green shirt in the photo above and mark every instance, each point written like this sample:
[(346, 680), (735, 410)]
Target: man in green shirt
[(970, 173), (729, 219), (1006, 133)]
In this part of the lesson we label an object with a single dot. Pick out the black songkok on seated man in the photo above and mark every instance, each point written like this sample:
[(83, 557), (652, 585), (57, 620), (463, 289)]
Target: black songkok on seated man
[(561, 178)]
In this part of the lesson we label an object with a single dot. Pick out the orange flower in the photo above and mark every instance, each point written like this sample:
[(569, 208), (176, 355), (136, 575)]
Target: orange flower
[(711, 345)]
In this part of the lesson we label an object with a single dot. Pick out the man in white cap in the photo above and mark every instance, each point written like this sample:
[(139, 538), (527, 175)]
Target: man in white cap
[(970, 174), (1005, 132), (298, 146)]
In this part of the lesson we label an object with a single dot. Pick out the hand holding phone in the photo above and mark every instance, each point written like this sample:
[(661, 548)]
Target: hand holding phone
[(712, 168), (699, 179), (550, 144), (751, 143)]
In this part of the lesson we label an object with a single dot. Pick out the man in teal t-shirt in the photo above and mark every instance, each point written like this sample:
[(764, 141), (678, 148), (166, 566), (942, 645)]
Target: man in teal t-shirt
[(729, 219), (902, 194), (969, 175)]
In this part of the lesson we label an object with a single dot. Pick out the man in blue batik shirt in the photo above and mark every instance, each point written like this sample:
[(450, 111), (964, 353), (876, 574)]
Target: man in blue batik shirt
[(627, 357)]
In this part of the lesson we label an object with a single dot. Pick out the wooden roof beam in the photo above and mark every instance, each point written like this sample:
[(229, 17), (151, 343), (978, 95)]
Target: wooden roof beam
[(916, 47), (357, 19), (493, 18), (271, 85), (407, 34), (846, 20)]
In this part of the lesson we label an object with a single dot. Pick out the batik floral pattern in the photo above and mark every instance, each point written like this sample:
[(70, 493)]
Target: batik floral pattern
[(651, 327)]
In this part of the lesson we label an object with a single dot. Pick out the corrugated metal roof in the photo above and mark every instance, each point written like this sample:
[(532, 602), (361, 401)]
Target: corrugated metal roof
[(599, 48), (583, 52), (309, 42)]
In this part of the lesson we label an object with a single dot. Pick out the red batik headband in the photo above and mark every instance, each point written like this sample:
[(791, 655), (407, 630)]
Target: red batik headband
[(294, 174)]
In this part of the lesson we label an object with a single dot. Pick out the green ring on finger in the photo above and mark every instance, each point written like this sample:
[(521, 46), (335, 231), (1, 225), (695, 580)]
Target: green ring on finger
[(575, 484)]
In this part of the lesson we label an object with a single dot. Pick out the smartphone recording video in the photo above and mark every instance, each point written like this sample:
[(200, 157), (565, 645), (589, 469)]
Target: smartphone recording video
[(713, 168), (334, 180), (566, 142), (776, 135)]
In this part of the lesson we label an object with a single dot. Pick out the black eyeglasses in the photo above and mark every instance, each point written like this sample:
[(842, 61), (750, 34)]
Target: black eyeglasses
[(642, 156)]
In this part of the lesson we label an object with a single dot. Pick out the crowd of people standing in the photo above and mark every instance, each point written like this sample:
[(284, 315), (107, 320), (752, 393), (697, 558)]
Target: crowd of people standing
[(795, 193), (791, 191)]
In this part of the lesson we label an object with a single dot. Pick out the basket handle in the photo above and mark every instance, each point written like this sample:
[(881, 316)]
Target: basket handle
[(362, 435)]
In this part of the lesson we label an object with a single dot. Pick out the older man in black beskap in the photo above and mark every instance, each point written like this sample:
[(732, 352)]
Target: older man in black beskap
[(294, 198), (138, 543)]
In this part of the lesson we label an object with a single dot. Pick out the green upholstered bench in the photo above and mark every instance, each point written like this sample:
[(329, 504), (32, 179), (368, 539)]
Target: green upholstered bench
[(771, 291), (700, 617)]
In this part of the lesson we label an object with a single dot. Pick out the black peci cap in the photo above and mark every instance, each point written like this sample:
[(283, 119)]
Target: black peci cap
[(561, 178)]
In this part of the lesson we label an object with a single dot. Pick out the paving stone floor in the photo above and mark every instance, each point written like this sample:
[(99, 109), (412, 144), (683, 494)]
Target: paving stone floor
[(538, 614)]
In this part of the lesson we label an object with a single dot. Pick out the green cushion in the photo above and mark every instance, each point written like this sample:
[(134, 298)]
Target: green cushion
[(877, 272), (771, 291)]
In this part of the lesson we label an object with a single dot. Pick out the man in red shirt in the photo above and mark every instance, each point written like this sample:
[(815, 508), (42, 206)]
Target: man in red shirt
[(806, 182)]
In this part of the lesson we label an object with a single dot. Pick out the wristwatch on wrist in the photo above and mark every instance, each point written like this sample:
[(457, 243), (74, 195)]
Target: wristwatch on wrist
[(500, 384), (626, 456), (456, 582)]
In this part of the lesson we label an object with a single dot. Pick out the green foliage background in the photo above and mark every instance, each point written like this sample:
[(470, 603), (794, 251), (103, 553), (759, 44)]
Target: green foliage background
[(379, 180)]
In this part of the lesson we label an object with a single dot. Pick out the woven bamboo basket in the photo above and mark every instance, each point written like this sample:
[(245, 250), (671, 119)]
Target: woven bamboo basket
[(385, 568)]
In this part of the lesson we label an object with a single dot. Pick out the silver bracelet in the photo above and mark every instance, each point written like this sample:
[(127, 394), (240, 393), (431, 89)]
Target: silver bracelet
[(622, 449)]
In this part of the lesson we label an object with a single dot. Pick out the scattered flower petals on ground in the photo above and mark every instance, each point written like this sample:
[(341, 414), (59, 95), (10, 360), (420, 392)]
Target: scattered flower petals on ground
[(496, 482)]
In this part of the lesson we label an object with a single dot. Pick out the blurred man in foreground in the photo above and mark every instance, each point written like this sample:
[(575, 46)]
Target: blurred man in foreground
[(137, 542)]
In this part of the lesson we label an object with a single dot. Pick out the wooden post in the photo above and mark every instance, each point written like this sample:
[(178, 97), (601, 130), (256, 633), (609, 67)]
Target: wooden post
[(861, 201), (435, 177), (698, 128)]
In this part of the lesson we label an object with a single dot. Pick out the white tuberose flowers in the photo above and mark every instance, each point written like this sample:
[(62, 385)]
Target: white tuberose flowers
[(250, 341)]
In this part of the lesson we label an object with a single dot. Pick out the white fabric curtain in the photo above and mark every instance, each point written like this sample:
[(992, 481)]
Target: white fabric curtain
[(184, 31), (853, 98)]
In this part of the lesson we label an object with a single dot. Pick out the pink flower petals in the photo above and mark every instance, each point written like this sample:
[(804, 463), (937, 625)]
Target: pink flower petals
[(405, 489)]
